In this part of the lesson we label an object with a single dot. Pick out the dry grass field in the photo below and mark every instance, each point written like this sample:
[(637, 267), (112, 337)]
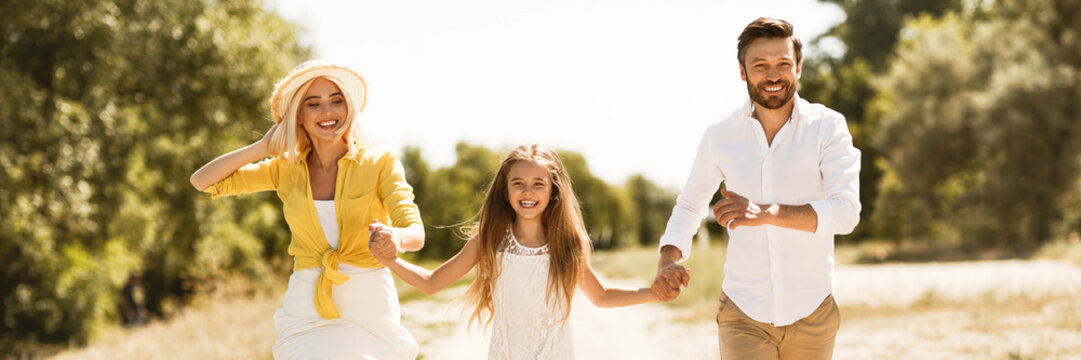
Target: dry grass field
[(1001, 309)]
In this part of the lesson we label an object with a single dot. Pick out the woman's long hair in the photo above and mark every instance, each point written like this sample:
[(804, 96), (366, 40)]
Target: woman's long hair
[(568, 242)]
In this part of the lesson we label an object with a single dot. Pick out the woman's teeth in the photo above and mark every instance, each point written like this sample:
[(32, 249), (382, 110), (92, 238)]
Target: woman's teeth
[(328, 125)]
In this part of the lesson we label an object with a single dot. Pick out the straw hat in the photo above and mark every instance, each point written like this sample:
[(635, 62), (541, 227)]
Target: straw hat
[(349, 81)]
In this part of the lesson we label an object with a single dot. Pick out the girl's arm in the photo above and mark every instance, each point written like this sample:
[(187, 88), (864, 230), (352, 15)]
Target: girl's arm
[(225, 165), (611, 296), (431, 282)]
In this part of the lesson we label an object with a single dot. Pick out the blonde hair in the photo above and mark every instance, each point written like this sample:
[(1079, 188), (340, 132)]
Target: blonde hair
[(290, 140), (568, 242)]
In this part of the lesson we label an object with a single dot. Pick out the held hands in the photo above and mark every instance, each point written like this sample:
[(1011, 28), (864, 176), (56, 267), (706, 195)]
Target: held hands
[(671, 277), (735, 210), (669, 282), (383, 241)]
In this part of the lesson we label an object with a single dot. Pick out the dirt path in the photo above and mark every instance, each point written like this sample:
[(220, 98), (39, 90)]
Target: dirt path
[(638, 332), (979, 310), (963, 310), (966, 310)]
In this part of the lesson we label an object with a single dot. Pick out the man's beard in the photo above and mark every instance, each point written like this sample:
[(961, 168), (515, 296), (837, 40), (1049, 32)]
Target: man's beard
[(771, 102)]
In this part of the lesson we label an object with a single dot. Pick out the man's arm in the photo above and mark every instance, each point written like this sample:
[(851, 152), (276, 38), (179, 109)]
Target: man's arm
[(691, 206), (839, 212), (736, 210)]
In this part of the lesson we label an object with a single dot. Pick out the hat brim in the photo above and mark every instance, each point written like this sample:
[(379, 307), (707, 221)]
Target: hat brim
[(349, 81)]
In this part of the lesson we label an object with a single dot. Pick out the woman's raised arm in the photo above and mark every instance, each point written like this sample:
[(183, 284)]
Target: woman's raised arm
[(225, 165)]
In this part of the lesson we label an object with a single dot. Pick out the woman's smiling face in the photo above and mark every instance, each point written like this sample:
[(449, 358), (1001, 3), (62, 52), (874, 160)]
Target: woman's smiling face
[(323, 110)]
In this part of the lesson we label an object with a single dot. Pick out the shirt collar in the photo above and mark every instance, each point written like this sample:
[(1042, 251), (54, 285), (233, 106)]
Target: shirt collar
[(354, 153), (355, 150)]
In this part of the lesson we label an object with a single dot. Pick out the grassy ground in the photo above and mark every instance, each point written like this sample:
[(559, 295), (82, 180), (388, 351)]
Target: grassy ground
[(1014, 309), (218, 328)]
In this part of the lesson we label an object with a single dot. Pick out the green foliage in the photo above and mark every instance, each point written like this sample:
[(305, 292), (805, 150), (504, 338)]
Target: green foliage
[(604, 211), (651, 206), (108, 107), (981, 118), (845, 82), (449, 197), (872, 27)]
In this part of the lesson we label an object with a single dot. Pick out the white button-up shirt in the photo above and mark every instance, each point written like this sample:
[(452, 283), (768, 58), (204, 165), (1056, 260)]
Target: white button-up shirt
[(775, 275)]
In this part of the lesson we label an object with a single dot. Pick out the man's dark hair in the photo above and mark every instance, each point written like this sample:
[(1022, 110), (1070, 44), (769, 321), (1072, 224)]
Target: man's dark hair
[(765, 27)]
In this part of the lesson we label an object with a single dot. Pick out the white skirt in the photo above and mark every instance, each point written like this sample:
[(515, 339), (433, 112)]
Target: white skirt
[(370, 324)]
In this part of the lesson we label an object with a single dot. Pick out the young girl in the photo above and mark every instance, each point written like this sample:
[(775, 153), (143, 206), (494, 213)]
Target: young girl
[(531, 250)]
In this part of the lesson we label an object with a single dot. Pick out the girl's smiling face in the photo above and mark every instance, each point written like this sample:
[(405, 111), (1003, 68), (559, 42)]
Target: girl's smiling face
[(529, 188)]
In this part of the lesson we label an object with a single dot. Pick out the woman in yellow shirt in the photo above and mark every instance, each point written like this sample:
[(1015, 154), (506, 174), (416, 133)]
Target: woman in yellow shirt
[(341, 302)]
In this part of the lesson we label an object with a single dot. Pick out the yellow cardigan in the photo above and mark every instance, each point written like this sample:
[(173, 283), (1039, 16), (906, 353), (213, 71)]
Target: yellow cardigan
[(370, 185)]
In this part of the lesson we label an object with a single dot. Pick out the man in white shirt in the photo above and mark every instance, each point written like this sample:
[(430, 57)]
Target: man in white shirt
[(791, 179)]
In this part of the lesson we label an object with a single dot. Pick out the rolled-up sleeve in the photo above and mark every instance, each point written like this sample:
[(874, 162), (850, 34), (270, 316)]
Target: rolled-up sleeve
[(260, 176), (396, 193), (839, 212), (692, 205)]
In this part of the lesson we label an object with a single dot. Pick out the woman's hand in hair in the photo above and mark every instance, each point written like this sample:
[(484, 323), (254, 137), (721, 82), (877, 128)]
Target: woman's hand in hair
[(383, 242), (264, 143), (225, 165)]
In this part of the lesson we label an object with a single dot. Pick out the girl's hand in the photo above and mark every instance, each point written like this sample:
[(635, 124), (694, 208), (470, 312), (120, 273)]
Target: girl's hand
[(383, 241)]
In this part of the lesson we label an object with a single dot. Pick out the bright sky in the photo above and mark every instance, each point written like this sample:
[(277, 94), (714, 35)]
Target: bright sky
[(630, 84)]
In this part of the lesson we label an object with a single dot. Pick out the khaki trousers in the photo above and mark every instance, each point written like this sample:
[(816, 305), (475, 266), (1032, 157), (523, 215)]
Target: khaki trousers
[(812, 337)]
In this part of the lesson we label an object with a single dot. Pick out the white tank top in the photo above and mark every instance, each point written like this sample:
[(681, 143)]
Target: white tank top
[(328, 219)]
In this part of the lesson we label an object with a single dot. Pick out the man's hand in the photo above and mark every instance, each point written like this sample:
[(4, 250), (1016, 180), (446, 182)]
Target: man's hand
[(383, 242), (735, 210), (671, 277)]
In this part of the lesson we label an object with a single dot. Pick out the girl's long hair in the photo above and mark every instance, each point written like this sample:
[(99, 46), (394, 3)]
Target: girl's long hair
[(568, 242)]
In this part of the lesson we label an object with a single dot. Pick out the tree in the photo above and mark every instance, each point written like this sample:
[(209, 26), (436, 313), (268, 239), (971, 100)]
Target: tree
[(981, 126), (109, 106), (603, 209), (844, 82), (449, 198), (651, 206)]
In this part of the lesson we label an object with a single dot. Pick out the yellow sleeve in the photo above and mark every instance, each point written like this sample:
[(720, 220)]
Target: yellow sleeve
[(260, 176), (396, 193)]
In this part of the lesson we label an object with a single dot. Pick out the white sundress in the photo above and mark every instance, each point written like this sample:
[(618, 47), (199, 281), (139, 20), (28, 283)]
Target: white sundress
[(370, 323), (525, 325)]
